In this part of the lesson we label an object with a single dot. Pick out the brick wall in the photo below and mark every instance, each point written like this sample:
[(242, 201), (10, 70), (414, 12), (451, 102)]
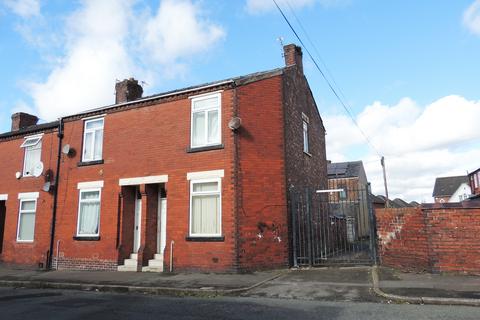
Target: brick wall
[(12, 156), (262, 213), (435, 238)]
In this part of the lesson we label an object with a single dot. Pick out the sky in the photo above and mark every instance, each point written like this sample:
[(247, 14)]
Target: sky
[(407, 70)]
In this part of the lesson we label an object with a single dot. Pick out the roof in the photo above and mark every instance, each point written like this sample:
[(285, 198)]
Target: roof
[(235, 81), (345, 169), (446, 186), (400, 203), (378, 199)]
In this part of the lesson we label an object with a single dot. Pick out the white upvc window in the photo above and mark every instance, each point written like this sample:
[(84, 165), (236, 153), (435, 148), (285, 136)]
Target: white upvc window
[(93, 140), (33, 154), (205, 208), (305, 122), (88, 223), (205, 121), (26, 220)]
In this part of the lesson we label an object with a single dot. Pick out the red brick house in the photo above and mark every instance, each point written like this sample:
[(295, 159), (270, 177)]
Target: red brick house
[(192, 179), (474, 180)]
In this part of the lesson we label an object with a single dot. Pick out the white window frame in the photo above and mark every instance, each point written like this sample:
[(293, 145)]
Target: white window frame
[(26, 145), (306, 143), (99, 190), (192, 194), (20, 212), (218, 107), (85, 131)]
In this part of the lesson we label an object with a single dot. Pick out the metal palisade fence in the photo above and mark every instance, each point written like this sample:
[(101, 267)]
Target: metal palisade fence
[(332, 226)]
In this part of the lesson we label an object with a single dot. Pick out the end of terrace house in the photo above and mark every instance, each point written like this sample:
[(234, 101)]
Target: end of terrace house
[(191, 179)]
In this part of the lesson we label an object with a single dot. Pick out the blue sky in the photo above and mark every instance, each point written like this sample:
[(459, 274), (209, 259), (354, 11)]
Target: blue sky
[(408, 69)]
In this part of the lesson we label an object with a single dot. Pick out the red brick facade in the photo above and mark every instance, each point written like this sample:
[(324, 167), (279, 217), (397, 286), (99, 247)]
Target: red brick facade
[(150, 138), (439, 238)]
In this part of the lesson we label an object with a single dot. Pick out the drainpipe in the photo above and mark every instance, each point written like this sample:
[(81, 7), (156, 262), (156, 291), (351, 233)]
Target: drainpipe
[(55, 193)]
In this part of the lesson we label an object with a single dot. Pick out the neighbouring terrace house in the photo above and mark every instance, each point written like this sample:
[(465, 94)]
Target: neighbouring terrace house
[(352, 200), (191, 179), (474, 180), (451, 189)]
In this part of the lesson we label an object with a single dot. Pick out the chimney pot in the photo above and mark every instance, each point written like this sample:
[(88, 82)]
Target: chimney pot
[(22, 120), (293, 56), (127, 90)]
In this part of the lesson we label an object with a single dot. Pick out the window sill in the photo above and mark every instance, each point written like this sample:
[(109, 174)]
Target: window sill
[(207, 148), (307, 153), (89, 163), (24, 241), (80, 238), (205, 239)]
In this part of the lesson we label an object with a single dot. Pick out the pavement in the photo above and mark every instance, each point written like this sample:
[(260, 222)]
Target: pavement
[(351, 284)]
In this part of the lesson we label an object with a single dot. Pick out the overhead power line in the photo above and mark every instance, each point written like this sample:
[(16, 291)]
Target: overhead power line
[(331, 87)]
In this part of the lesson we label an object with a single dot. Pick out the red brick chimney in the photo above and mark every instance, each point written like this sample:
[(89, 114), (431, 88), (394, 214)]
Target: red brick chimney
[(127, 90), (21, 120), (293, 56)]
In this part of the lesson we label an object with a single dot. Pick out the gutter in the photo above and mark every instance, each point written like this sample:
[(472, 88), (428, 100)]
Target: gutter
[(55, 194)]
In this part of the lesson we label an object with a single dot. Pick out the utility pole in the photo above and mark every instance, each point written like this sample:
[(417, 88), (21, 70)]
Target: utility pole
[(382, 161)]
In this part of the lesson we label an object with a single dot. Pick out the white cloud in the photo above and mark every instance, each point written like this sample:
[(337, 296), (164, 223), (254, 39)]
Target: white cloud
[(24, 8), (471, 17), (262, 6), (97, 52), (419, 143), (177, 30)]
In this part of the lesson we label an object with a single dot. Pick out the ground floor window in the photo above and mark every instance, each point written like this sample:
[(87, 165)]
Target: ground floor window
[(26, 220), (205, 207), (89, 213)]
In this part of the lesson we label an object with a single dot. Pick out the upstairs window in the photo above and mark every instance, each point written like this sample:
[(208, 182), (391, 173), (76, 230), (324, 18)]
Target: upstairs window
[(306, 147), (93, 140), (33, 153), (205, 122)]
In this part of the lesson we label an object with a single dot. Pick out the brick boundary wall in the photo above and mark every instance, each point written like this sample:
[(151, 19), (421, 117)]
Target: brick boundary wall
[(433, 237), (84, 264)]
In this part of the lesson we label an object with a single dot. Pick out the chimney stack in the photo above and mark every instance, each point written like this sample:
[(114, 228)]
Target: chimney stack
[(293, 56), (21, 120), (127, 90)]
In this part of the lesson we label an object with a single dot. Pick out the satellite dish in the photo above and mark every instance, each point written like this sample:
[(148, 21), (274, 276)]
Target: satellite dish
[(46, 187), (235, 123), (18, 175), (38, 169), (66, 149)]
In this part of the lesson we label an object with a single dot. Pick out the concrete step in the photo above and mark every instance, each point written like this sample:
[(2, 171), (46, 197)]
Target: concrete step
[(127, 268), (131, 262), (158, 256), (152, 269), (134, 256), (155, 263)]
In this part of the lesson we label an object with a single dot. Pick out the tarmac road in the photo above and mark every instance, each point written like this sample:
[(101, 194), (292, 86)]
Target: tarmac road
[(58, 304)]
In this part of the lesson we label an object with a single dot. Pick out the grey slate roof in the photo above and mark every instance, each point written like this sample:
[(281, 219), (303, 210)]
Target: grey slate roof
[(344, 169), (240, 80), (400, 203), (446, 186)]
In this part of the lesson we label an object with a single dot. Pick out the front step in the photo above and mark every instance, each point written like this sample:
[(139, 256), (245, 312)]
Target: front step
[(130, 264), (155, 264)]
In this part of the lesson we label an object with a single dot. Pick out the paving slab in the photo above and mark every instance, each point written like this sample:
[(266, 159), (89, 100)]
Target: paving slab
[(329, 284), (413, 284), (204, 281)]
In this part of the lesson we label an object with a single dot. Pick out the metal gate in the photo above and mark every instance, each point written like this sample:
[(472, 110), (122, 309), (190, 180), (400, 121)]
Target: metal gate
[(333, 226)]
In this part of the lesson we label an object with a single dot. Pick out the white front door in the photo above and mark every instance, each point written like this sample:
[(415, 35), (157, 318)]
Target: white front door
[(161, 225), (137, 226)]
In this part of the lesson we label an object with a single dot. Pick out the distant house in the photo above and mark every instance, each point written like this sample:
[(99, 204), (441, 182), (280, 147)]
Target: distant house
[(378, 201), (474, 179), (399, 203), (352, 201), (451, 189)]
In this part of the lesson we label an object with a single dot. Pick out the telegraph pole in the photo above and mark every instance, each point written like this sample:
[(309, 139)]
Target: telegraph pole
[(382, 161)]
